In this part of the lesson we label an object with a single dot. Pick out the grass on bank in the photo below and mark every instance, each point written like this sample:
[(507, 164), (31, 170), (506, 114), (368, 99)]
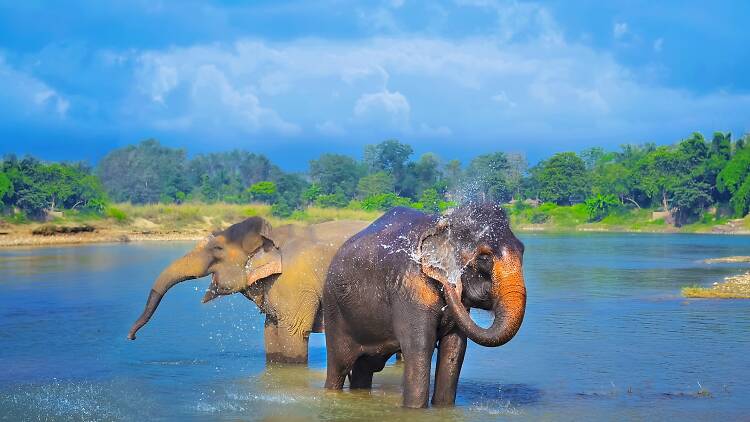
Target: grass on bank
[(182, 216), (195, 216), (734, 287)]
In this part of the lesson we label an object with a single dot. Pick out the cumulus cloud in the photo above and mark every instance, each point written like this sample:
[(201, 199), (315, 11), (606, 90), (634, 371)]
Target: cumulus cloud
[(522, 77), (392, 104), (25, 96), (330, 128), (479, 87), (619, 29), (191, 91), (658, 44)]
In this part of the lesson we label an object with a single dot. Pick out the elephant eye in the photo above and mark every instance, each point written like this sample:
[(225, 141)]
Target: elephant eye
[(484, 263)]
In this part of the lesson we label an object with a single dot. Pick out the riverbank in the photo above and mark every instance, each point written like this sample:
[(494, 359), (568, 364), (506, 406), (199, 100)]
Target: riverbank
[(733, 287), (566, 219), (130, 223), (159, 222)]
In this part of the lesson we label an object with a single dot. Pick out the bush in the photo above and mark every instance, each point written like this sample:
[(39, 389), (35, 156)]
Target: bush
[(430, 200), (384, 202), (262, 191), (281, 209), (538, 217), (600, 206), (116, 214), (333, 200)]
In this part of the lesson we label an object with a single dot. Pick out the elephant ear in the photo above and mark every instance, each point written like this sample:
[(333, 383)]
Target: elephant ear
[(437, 255), (266, 260)]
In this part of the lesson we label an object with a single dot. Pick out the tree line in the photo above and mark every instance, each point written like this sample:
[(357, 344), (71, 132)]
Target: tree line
[(684, 179)]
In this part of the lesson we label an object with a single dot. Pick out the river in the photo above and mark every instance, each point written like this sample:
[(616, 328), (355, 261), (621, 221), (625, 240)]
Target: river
[(606, 337)]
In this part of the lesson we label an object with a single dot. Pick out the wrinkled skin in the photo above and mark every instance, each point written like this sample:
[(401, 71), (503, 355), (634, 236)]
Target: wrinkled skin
[(389, 289), (282, 270)]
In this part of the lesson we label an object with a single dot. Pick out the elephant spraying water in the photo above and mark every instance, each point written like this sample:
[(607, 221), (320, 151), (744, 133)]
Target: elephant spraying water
[(282, 270), (406, 283)]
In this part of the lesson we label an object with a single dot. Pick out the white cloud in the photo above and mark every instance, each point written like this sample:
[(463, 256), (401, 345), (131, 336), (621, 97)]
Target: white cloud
[(658, 44), (393, 104), (330, 128), (482, 87), (205, 93), (619, 29), (522, 78), (24, 95), (502, 98)]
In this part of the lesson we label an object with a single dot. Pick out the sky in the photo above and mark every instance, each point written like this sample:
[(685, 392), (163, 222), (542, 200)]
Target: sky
[(295, 79)]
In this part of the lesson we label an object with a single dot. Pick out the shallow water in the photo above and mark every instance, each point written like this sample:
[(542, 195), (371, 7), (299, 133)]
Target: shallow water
[(606, 336)]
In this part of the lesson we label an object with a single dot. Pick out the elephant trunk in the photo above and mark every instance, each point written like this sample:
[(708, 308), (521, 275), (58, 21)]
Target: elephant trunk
[(191, 266), (509, 304)]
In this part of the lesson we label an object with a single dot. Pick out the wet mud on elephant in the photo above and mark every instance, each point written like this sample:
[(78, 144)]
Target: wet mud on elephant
[(407, 282), (281, 269)]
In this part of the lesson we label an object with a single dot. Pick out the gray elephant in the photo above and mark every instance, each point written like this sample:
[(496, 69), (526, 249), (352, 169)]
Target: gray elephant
[(282, 270), (406, 283)]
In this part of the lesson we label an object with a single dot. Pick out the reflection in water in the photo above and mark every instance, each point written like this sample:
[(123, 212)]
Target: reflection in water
[(606, 336)]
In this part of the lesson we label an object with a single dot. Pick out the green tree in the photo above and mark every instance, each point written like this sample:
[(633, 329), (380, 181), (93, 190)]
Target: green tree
[(290, 189), (390, 156), (6, 187), (384, 202), (263, 191), (420, 175), (225, 176), (690, 199), (562, 179), (517, 167), (735, 180), (332, 200), (312, 193), (488, 178), (453, 175), (145, 173), (430, 200), (600, 206), (335, 173), (374, 184)]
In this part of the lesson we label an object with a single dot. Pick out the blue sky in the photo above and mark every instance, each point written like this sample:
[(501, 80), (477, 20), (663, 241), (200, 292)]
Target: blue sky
[(294, 79)]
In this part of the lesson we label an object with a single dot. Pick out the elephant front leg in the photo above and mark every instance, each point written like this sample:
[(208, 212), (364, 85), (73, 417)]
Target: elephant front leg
[(283, 347), (451, 351)]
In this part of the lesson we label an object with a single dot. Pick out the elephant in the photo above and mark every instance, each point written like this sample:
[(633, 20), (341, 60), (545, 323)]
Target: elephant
[(407, 283), (281, 269)]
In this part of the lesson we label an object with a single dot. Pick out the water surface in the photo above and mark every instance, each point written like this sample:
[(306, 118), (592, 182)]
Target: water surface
[(606, 336)]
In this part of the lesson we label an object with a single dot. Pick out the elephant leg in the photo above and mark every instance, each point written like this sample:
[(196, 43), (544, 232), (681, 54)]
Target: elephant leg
[(283, 347), (340, 358), (417, 352), (450, 358), (363, 370)]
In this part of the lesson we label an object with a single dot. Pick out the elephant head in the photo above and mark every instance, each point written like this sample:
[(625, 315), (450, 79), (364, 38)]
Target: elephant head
[(236, 258), (478, 260)]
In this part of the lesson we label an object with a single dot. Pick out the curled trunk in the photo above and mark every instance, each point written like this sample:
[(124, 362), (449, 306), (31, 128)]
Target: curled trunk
[(193, 265), (509, 304)]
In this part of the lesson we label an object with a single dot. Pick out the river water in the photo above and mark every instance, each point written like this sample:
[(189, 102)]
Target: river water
[(606, 337)]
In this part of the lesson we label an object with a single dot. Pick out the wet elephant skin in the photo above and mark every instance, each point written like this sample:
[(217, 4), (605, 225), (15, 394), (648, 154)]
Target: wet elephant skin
[(406, 283)]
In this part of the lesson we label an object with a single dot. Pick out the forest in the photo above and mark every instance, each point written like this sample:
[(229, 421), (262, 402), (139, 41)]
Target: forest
[(685, 180)]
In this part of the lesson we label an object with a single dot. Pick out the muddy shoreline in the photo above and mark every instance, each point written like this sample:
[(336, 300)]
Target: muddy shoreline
[(14, 236), (26, 239)]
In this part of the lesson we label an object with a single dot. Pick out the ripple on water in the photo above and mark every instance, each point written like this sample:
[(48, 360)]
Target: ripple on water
[(72, 400)]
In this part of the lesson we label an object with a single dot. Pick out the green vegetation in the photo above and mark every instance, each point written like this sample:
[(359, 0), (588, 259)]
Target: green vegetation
[(200, 215), (694, 184), (30, 188)]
